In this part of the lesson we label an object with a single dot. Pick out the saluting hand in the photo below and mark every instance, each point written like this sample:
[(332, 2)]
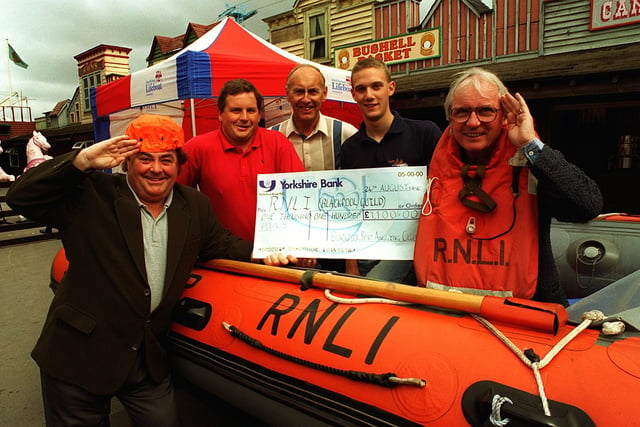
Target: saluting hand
[(106, 154), (519, 119)]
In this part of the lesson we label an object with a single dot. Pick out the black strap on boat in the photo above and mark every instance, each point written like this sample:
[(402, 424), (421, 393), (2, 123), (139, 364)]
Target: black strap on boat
[(306, 280), (473, 187), (377, 379)]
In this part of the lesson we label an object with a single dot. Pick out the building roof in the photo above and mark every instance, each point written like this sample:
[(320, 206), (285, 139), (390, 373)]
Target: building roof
[(100, 48), (59, 106), (167, 45), (198, 29), (479, 6)]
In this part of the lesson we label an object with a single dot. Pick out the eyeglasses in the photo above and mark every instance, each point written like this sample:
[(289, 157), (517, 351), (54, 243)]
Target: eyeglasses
[(484, 114)]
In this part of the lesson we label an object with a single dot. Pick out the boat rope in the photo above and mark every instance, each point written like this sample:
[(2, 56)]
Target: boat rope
[(496, 404), (427, 207), (341, 300), (386, 380), (613, 328), (530, 359)]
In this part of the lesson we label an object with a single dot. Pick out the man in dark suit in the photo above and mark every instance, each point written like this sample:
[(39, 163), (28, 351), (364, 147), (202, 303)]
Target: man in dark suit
[(131, 241)]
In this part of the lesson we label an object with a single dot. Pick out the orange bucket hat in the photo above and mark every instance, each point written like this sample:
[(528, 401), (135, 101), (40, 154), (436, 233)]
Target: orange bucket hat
[(156, 133)]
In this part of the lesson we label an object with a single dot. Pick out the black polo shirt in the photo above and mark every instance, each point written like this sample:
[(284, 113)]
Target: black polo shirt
[(407, 143)]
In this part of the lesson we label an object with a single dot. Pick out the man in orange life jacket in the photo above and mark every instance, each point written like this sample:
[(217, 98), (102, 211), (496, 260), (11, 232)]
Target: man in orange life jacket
[(493, 189)]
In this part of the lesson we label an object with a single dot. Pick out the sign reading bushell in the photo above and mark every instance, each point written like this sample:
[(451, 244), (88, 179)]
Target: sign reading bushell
[(392, 50)]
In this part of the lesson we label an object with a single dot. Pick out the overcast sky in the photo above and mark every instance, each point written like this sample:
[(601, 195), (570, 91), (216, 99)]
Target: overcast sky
[(47, 34)]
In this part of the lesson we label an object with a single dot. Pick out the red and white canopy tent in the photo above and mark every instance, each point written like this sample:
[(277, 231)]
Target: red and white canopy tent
[(185, 86)]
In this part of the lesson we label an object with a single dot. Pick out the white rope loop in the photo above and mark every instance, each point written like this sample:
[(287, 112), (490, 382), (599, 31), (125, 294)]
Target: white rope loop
[(587, 319), (340, 300), (427, 208), (496, 404)]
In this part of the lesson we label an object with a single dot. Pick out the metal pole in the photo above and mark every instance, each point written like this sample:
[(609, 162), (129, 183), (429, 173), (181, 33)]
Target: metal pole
[(9, 71), (192, 106)]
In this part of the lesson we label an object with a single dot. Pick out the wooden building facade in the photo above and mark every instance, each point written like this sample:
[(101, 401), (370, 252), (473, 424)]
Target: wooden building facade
[(576, 62), (97, 66)]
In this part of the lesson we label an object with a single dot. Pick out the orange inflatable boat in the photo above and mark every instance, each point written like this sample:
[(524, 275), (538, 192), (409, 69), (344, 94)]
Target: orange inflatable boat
[(278, 343)]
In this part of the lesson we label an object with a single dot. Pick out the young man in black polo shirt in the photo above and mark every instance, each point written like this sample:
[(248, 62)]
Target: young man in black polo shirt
[(384, 139)]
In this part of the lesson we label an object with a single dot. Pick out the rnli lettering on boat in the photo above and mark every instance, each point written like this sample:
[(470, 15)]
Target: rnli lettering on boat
[(465, 251), (313, 318)]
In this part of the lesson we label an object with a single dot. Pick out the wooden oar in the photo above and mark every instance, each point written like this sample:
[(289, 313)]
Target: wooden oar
[(541, 316)]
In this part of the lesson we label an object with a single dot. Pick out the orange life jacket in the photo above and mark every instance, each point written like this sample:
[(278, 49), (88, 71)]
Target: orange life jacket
[(460, 247)]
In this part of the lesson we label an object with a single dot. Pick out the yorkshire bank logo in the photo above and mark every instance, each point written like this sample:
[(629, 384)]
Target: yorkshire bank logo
[(267, 185), (154, 85)]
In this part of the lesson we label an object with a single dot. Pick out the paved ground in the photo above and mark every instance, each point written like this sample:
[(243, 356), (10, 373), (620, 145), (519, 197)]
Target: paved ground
[(24, 299)]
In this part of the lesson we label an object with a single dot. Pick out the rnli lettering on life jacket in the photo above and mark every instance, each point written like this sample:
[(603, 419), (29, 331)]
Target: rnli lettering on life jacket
[(467, 251), (459, 247), (314, 320)]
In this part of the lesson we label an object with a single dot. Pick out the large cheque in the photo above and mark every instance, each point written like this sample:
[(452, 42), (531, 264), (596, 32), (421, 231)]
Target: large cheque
[(354, 213)]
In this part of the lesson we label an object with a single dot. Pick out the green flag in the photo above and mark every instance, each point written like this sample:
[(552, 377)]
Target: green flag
[(13, 55)]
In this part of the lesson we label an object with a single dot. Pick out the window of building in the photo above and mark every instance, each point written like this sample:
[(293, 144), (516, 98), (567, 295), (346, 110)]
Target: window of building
[(112, 77), (89, 81), (14, 157), (75, 113), (316, 24)]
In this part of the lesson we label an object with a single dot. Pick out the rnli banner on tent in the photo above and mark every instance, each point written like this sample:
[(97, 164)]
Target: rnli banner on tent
[(354, 213)]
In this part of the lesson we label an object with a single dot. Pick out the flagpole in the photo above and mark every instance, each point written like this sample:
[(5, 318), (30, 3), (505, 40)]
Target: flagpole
[(9, 71)]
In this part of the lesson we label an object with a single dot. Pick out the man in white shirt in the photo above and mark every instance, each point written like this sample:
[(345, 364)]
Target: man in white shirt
[(317, 138)]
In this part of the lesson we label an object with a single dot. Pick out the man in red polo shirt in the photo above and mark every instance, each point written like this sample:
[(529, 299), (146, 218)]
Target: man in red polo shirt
[(225, 163)]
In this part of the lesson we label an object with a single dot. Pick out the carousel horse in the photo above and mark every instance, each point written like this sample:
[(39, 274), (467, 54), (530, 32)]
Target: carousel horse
[(5, 177), (37, 148)]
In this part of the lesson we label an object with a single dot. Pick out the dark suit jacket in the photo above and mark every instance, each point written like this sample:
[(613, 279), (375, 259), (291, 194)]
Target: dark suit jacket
[(99, 318)]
